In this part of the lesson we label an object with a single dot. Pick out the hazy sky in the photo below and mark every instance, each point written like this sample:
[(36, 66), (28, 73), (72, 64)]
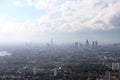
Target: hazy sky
[(64, 20)]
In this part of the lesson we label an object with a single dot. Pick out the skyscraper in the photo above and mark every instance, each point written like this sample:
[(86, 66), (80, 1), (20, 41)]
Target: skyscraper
[(93, 44), (116, 66), (119, 75), (96, 44), (76, 44), (55, 72), (107, 75), (87, 43), (51, 41), (34, 70)]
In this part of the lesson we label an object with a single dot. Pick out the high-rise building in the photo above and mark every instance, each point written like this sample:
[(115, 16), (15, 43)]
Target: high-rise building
[(87, 43), (119, 75), (55, 72), (107, 75), (34, 70), (96, 44), (76, 44), (115, 66), (93, 44), (51, 41)]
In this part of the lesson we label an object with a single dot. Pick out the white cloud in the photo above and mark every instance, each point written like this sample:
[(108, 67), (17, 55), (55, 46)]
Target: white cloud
[(68, 16), (42, 4), (73, 15), (18, 3), (2, 18)]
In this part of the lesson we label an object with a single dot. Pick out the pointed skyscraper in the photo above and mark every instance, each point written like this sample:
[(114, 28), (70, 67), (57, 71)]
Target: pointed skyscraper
[(87, 43), (52, 41), (93, 44)]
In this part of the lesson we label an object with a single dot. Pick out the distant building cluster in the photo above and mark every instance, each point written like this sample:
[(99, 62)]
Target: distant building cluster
[(88, 61), (93, 44)]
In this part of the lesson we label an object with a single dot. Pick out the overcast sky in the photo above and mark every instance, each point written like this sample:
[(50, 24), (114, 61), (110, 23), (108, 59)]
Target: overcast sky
[(63, 20)]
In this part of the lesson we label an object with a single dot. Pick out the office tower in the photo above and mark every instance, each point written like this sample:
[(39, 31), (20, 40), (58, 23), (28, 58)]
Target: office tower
[(51, 41), (93, 44), (34, 70), (76, 44), (55, 72), (87, 43), (119, 75), (96, 44), (107, 75), (115, 66)]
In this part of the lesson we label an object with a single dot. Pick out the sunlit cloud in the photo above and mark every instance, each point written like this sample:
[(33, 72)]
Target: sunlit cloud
[(17, 3), (42, 4), (73, 15), (62, 16)]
